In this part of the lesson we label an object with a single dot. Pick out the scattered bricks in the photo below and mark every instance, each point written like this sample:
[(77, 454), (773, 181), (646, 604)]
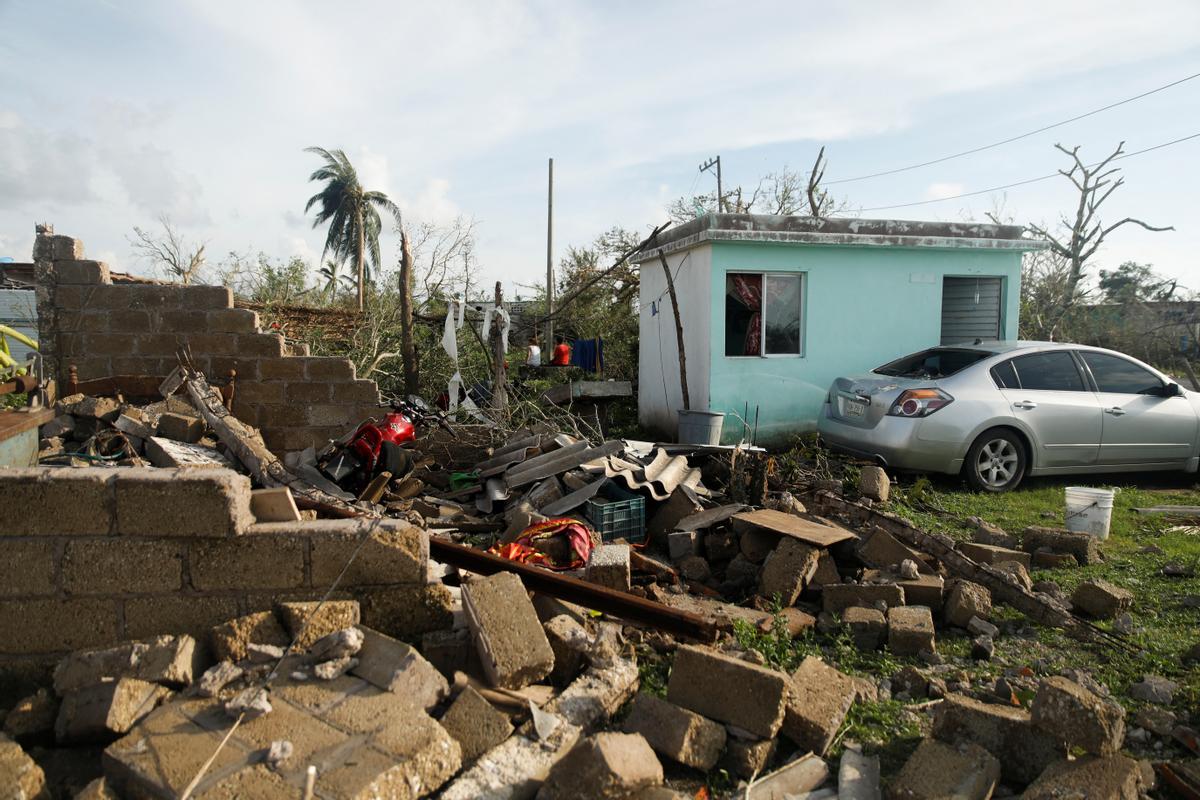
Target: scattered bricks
[(756, 544), (1018, 572), (1045, 559), (61, 625), (31, 720), (195, 616), (993, 554), (1114, 777), (233, 320), (329, 370), (118, 566), (253, 393), (180, 427), (747, 758), (67, 501), (451, 651), (203, 502), (1083, 546), (682, 543), (304, 621), (104, 711), (230, 639), (512, 646), (397, 667), (328, 416), (867, 626), (1071, 713), (411, 750), (924, 590), (882, 550), (990, 533), (208, 297), (1100, 599), (837, 597), (104, 408), (728, 690), (818, 701), (171, 660), (395, 553), (937, 771), (603, 766), (27, 568), (966, 600), (309, 736), (827, 571), (364, 392), (609, 566), (264, 562), (475, 724), (1006, 732), (570, 643), (787, 570), (129, 423), (20, 776), (910, 630), (407, 611), (274, 505), (59, 426), (873, 482), (676, 733)]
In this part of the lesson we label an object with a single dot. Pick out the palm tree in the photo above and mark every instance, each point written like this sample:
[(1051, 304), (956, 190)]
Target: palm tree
[(333, 281), (352, 213)]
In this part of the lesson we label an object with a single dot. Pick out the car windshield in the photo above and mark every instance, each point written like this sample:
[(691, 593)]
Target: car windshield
[(936, 362)]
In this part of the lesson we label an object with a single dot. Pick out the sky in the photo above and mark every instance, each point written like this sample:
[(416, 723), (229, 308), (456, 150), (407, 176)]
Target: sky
[(115, 112)]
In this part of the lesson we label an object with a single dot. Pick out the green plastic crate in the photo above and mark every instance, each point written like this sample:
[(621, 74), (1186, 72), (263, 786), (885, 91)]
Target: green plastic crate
[(617, 514)]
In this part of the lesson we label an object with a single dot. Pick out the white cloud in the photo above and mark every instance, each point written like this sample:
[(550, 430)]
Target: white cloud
[(940, 191)]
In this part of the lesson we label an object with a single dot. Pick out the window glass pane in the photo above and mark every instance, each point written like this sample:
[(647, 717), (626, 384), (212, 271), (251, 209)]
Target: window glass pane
[(1055, 371), (936, 362), (743, 314), (782, 301), (1120, 376), (1004, 376)]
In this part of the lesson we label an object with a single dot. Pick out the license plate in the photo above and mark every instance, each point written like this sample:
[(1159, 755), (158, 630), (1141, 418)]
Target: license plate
[(853, 408)]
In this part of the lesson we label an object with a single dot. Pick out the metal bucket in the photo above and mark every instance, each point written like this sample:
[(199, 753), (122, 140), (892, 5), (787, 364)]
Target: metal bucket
[(700, 427)]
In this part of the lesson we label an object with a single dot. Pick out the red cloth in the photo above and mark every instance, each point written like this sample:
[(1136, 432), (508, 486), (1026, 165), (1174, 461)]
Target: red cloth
[(581, 538), (562, 355), (749, 291)]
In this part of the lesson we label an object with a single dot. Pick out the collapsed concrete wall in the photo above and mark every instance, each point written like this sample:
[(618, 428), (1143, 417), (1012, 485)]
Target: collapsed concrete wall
[(107, 329), (93, 556)]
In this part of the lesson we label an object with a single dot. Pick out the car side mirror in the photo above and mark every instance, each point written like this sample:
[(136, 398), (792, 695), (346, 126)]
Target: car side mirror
[(1170, 390)]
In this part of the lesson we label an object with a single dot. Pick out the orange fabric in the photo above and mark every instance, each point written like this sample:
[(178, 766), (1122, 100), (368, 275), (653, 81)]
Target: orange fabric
[(581, 538)]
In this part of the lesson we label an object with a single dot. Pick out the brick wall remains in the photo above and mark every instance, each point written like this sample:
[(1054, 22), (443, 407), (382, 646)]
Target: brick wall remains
[(106, 329), (93, 556)]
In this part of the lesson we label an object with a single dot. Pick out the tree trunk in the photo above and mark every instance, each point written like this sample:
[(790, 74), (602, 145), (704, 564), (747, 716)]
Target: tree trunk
[(408, 350), (499, 389), (362, 246), (683, 384)]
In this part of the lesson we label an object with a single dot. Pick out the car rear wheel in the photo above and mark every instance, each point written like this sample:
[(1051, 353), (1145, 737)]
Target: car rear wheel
[(996, 461)]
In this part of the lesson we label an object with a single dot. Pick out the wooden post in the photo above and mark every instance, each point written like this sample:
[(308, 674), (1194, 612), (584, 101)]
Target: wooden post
[(499, 389), (687, 403), (408, 350)]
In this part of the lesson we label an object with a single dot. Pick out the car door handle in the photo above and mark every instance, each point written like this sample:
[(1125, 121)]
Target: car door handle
[(1025, 405), (1116, 411)]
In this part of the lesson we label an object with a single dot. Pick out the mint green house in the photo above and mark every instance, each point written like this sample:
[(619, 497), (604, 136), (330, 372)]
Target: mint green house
[(774, 308)]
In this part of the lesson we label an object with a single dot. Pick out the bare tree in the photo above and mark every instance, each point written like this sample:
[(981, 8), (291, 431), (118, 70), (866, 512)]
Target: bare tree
[(819, 202), (169, 251), (782, 193), (1084, 234)]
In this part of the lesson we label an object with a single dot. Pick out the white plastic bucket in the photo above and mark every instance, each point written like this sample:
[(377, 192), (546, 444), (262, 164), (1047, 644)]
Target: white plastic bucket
[(1089, 510)]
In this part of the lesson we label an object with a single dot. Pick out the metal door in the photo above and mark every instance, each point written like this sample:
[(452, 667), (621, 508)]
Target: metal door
[(970, 309)]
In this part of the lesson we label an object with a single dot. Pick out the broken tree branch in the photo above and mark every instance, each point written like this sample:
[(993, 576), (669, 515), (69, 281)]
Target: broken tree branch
[(683, 384)]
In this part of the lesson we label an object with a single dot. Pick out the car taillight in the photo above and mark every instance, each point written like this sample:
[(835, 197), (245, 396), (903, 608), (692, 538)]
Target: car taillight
[(919, 403)]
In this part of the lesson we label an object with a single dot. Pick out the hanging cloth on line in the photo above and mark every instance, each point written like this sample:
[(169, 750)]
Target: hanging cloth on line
[(505, 324), (588, 354)]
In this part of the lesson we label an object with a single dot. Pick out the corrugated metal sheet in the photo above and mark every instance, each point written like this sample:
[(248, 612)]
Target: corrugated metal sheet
[(18, 309), (970, 309)]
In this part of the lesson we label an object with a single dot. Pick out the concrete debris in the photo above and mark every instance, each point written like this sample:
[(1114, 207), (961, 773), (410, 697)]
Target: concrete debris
[(728, 690), (983, 648), (747, 758), (681, 544), (867, 626), (793, 780), (279, 751), (1083, 546), (180, 427), (1112, 777), (274, 505), (169, 660), (396, 667), (908, 570), (263, 653), (334, 668), (967, 600), (513, 648), (1100, 599), (787, 570), (937, 771), (691, 568), (104, 711), (837, 597), (305, 621), (251, 702), (818, 700), (1078, 717), (475, 724), (858, 776), (609, 566), (981, 627), (873, 482), (606, 766), (570, 643), (20, 776), (339, 644), (1154, 689), (994, 554), (674, 732), (216, 678), (988, 533), (1006, 732), (31, 720), (910, 630), (925, 590), (229, 639)]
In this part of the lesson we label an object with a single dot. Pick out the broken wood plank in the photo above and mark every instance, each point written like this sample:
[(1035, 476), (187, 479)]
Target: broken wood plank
[(790, 525), (706, 519), (1171, 511)]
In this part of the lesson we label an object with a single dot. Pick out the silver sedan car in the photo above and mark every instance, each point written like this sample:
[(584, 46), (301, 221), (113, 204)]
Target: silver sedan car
[(998, 411)]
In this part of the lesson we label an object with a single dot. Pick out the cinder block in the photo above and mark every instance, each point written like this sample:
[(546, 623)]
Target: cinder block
[(39, 501), (818, 702), (329, 369), (260, 345), (1072, 714), (512, 646), (925, 590), (248, 562), (1005, 732), (104, 711), (396, 552), (213, 344), (609, 566), (475, 724), (601, 766), (938, 770), (60, 248), (404, 612), (867, 626), (50, 626), (170, 660), (206, 297), (359, 392), (329, 416), (119, 566), (1100, 599), (72, 297), (202, 502), (186, 321), (195, 616), (910, 630), (1114, 776), (282, 416), (180, 427), (966, 600), (128, 320), (307, 392), (836, 597), (258, 392), (27, 567), (1083, 546), (157, 345), (993, 554), (787, 570), (233, 320), (19, 774), (230, 638), (334, 615), (678, 734), (281, 369), (728, 690), (397, 667)]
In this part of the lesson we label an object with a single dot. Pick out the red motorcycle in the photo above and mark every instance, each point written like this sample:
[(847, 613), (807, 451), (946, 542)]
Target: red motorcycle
[(380, 445)]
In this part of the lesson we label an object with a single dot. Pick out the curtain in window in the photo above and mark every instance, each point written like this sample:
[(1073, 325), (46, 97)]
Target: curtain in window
[(748, 290)]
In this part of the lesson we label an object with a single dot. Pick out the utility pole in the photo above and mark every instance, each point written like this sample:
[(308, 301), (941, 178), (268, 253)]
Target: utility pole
[(707, 165), (549, 343), (499, 389)]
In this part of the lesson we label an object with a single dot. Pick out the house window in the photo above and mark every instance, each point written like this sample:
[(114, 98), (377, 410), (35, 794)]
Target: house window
[(762, 314)]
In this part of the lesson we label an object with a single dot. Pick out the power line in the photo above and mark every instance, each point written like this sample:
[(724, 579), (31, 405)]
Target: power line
[(1024, 182), (1014, 138)]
